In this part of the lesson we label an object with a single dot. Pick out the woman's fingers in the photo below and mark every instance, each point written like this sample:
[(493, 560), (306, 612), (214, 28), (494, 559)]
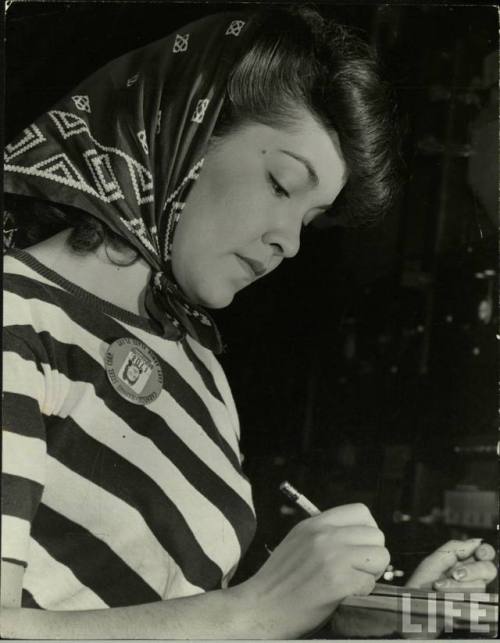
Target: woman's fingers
[(363, 535), (363, 584), (347, 516), (483, 570), (372, 560), (485, 552), (459, 549), (441, 563), (450, 585), (449, 554)]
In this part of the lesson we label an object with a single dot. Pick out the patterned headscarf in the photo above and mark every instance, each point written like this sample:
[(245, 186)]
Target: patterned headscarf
[(127, 145)]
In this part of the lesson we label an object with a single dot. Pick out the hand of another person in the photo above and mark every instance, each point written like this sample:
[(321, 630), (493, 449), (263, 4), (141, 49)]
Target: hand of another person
[(321, 561)]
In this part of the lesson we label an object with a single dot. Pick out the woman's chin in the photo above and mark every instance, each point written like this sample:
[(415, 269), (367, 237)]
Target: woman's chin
[(217, 302), (214, 299)]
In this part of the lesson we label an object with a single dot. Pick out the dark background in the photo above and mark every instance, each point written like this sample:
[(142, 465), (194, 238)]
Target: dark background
[(366, 369)]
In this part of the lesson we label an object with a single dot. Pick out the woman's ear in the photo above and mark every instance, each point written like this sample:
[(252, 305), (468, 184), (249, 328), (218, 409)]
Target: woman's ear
[(119, 254)]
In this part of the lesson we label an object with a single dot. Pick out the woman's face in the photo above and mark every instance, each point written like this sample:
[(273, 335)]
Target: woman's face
[(259, 186)]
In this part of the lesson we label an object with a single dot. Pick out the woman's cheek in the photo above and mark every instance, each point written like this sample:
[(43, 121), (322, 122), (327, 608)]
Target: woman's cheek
[(237, 221)]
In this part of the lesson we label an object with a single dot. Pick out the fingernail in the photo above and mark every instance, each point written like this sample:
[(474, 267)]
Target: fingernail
[(484, 552), (459, 573), (440, 583)]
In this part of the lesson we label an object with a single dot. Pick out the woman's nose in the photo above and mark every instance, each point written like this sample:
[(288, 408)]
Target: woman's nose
[(285, 239)]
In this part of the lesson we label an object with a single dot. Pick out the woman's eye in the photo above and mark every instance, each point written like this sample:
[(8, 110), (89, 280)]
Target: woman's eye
[(278, 189)]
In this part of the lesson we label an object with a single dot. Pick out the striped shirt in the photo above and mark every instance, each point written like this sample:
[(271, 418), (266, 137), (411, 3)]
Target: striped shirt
[(106, 502)]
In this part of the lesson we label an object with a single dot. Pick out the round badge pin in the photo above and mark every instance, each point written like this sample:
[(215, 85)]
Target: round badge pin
[(134, 370)]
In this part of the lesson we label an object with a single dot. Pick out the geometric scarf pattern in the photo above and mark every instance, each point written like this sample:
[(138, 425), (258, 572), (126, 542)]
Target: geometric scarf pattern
[(127, 145)]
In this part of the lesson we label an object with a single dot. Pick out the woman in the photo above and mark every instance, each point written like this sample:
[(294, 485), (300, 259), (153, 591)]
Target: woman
[(185, 171)]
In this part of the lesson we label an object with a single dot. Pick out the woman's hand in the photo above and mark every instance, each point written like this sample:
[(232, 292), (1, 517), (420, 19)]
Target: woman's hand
[(456, 566), (321, 561)]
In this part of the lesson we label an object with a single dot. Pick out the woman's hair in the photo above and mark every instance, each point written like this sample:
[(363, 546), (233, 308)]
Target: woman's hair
[(31, 220), (298, 60)]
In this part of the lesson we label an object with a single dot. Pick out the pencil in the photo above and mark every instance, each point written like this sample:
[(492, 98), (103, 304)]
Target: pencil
[(300, 500)]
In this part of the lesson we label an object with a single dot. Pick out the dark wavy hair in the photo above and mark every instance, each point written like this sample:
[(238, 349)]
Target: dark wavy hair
[(298, 60)]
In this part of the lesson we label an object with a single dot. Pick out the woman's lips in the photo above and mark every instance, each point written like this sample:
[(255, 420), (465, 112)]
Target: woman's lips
[(255, 267)]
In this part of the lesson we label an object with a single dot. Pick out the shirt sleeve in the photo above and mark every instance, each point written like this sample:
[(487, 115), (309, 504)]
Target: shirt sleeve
[(23, 445)]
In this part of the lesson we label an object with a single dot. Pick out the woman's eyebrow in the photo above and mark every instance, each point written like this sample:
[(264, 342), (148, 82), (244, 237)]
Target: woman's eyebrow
[(313, 176)]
